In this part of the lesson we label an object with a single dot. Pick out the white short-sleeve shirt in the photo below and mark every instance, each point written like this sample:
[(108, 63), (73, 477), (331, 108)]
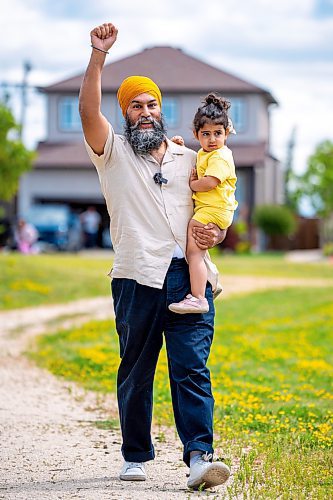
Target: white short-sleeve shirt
[(147, 220)]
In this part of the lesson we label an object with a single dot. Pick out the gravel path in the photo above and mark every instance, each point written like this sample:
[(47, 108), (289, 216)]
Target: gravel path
[(51, 447)]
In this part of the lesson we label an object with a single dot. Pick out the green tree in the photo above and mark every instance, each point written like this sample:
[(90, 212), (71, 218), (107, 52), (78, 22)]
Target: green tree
[(15, 159), (316, 186)]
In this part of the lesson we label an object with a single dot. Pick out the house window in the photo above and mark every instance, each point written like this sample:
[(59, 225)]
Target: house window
[(170, 110), (69, 117), (238, 114)]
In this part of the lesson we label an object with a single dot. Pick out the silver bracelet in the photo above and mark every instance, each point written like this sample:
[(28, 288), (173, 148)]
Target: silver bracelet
[(101, 50)]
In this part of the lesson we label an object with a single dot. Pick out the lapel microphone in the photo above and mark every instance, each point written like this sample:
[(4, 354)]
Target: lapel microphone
[(158, 179)]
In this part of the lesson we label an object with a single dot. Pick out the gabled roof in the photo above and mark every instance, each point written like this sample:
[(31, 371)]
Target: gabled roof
[(172, 70)]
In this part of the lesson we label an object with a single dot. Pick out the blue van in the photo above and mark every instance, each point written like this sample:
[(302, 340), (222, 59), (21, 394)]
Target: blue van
[(57, 226)]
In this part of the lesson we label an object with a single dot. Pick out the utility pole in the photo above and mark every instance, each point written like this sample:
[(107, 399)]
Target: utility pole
[(26, 70), (6, 87), (289, 166)]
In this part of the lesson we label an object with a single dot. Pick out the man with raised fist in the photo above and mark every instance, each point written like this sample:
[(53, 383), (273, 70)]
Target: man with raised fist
[(145, 181)]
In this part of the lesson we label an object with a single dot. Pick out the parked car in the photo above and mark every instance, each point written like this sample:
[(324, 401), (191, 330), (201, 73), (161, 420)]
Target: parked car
[(58, 226)]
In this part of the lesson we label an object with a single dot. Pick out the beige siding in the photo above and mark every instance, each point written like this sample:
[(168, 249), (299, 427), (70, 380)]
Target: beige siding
[(67, 185)]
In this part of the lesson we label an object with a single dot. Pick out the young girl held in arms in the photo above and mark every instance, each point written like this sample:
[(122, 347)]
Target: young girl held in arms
[(214, 184)]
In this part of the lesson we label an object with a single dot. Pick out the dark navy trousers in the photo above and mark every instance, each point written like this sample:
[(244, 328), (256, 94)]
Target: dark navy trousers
[(142, 316)]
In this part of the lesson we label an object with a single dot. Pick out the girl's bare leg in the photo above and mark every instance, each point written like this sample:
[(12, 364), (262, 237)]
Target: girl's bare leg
[(197, 266)]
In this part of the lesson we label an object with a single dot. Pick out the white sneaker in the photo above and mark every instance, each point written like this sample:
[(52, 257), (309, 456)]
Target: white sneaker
[(217, 290), (133, 471), (190, 305), (207, 474)]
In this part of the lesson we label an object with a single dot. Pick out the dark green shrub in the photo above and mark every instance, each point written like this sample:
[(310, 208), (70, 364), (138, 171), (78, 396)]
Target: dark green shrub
[(274, 220)]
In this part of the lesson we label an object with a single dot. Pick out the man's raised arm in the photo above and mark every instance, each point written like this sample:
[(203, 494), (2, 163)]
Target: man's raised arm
[(94, 123)]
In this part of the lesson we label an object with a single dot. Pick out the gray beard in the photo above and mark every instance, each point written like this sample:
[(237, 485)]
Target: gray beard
[(143, 141)]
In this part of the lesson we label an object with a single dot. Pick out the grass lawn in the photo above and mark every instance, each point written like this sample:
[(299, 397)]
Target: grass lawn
[(32, 280), (272, 375), (49, 279), (272, 265)]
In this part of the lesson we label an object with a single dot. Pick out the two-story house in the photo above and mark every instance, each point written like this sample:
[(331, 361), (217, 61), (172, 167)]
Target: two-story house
[(64, 173)]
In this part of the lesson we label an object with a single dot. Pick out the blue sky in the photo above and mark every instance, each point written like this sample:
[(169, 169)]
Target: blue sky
[(323, 8), (285, 47)]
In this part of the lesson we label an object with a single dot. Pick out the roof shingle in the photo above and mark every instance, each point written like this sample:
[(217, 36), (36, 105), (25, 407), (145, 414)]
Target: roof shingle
[(171, 69)]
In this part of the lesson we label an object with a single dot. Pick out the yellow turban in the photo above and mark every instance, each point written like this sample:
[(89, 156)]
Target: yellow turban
[(136, 85)]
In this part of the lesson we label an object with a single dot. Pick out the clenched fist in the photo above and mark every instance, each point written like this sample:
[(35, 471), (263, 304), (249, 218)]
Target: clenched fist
[(104, 36)]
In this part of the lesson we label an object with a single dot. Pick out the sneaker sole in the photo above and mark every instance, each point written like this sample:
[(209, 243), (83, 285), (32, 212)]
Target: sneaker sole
[(133, 477), (217, 292), (188, 311), (213, 476)]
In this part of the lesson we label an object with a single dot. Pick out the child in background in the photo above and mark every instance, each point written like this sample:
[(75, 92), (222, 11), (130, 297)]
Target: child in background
[(26, 236), (214, 184)]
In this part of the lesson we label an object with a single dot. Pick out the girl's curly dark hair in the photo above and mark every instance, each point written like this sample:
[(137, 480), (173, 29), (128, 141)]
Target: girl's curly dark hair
[(214, 110)]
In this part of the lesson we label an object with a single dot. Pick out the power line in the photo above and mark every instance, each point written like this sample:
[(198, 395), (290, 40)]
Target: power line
[(17, 85)]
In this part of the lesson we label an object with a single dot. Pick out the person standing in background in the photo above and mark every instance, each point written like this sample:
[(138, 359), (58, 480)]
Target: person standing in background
[(90, 220), (26, 236)]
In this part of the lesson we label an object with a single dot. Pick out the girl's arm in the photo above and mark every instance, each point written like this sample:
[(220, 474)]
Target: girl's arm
[(206, 183), (177, 139)]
